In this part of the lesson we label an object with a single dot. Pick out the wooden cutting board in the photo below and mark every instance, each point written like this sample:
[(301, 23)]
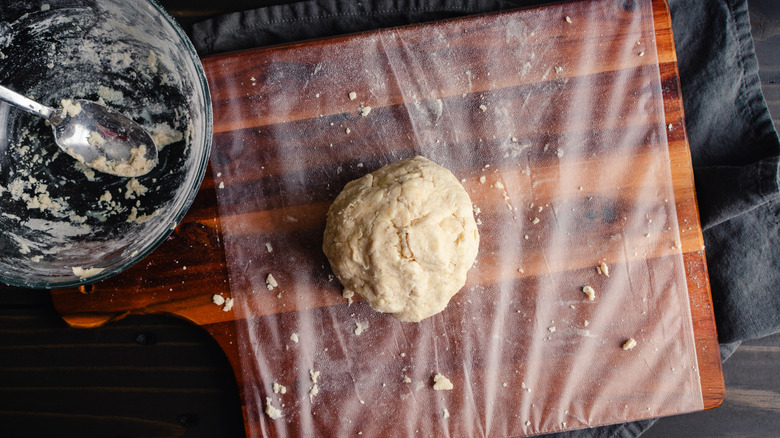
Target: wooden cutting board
[(182, 275)]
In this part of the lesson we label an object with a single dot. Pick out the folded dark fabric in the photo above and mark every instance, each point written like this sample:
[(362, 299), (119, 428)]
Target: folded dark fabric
[(734, 145), (304, 20), (735, 150)]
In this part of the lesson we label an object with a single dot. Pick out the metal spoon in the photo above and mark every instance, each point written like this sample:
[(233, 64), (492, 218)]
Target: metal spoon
[(99, 137)]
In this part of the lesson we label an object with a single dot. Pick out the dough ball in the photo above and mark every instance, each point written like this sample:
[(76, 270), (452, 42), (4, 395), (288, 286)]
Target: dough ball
[(403, 237)]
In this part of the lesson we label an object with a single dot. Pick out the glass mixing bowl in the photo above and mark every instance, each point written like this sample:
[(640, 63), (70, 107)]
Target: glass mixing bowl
[(62, 224)]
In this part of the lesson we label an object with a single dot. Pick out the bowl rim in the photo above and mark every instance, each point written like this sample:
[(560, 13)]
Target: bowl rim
[(68, 282)]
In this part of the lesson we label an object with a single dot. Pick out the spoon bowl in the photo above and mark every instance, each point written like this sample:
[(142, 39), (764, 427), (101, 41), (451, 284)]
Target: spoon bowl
[(101, 138)]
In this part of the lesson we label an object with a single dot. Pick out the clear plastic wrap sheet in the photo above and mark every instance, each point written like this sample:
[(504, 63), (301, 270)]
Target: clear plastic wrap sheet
[(553, 119)]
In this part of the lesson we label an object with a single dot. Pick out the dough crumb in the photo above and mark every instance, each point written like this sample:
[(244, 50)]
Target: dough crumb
[(270, 282), (348, 294), (535, 220), (294, 337), (352, 95), (589, 292), (86, 273), (134, 189), (70, 108), (442, 383), (269, 247), (279, 389), (365, 110), (228, 305), (95, 139), (445, 413), (551, 329), (136, 164), (218, 299), (482, 179), (558, 69), (603, 269), (273, 412), (313, 391), (483, 108), (359, 328), (407, 379), (629, 344), (568, 19)]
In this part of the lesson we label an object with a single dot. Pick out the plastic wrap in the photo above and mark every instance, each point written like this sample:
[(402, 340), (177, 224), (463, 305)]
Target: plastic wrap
[(553, 119)]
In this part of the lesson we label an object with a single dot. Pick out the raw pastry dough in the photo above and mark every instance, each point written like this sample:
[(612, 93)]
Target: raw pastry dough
[(403, 237)]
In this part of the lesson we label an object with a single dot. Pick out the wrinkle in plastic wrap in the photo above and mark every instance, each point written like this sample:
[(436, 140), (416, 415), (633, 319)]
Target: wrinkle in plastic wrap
[(553, 119)]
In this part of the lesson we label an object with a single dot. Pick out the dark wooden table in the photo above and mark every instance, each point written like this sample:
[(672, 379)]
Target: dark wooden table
[(124, 379)]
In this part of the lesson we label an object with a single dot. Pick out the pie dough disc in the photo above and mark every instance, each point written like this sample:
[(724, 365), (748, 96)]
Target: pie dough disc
[(403, 237)]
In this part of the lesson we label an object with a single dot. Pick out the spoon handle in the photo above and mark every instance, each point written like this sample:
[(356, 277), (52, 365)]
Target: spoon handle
[(24, 103)]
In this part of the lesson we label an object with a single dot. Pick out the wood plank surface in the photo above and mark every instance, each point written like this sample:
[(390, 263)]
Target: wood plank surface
[(181, 276)]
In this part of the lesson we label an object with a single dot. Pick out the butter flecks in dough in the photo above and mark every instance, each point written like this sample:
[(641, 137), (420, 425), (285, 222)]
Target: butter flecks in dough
[(403, 237)]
